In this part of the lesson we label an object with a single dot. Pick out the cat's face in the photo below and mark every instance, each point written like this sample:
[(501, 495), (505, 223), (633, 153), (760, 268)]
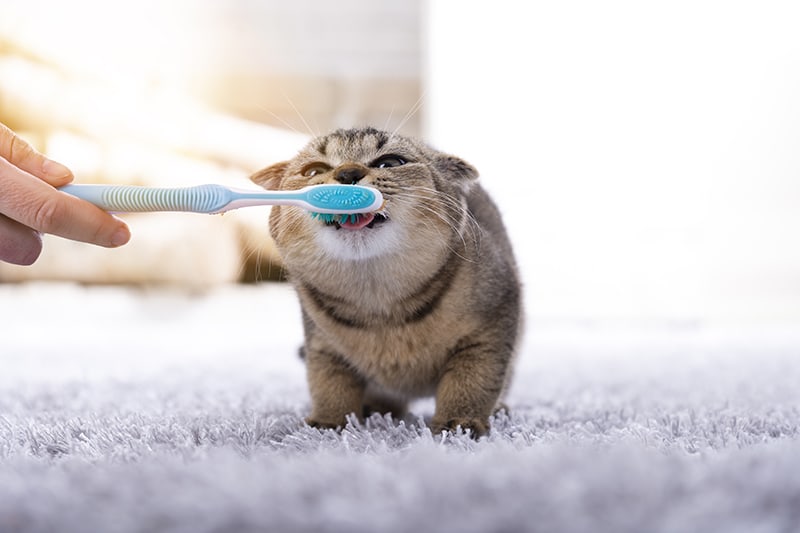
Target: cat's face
[(423, 191)]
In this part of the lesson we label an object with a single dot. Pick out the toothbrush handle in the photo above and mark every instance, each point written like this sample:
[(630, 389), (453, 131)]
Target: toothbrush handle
[(135, 199)]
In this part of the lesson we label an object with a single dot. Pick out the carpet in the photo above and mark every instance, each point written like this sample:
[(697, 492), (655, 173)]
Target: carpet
[(155, 410)]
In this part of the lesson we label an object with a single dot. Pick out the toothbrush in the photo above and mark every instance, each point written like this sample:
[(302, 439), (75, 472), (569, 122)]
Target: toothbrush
[(318, 199)]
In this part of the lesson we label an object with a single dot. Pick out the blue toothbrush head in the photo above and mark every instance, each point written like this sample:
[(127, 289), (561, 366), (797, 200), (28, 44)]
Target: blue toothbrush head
[(351, 206), (343, 199)]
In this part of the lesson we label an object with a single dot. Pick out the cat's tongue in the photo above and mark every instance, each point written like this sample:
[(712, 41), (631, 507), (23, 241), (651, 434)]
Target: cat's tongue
[(361, 221)]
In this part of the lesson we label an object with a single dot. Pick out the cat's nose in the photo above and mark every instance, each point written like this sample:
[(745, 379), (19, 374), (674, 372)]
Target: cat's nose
[(350, 174)]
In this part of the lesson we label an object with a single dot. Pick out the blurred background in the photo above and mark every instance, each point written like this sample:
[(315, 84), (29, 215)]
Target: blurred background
[(646, 155)]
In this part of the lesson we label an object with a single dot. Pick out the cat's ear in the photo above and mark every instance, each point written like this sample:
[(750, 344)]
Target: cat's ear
[(270, 177), (455, 168)]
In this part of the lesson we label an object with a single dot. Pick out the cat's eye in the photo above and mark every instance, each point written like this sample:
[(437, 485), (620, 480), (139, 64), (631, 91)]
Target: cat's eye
[(313, 169), (388, 161)]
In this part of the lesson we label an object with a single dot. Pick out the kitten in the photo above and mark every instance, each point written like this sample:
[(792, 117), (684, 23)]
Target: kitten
[(419, 299)]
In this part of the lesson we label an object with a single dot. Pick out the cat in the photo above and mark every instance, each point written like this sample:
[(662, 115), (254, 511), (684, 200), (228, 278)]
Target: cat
[(420, 298)]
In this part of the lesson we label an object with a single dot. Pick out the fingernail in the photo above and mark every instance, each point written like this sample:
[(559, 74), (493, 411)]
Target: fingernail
[(122, 236), (55, 169)]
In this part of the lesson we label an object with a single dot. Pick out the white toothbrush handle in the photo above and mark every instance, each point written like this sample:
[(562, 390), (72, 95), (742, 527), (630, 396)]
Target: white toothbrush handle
[(136, 199)]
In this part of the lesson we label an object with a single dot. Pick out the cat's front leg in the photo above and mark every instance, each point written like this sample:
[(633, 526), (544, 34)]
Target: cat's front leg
[(470, 386), (336, 388)]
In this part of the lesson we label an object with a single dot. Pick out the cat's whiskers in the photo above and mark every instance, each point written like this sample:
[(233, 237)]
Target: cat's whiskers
[(469, 223), (389, 118), (288, 125), (418, 205), (411, 112), (280, 119), (250, 251), (454, 232), (302, 118)]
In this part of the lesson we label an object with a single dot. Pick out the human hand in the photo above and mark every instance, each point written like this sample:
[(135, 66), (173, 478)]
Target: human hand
[(30, 205)]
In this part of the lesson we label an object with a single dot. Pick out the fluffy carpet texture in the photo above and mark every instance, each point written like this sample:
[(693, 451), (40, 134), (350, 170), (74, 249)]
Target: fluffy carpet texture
[(125, 410)]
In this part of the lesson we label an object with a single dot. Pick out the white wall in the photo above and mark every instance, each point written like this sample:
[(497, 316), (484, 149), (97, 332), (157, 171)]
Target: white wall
[(646, 154)]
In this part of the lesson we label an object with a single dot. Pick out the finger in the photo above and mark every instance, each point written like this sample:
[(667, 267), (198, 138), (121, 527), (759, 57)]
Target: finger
[(39, 206), (21, 154), (19, 244)]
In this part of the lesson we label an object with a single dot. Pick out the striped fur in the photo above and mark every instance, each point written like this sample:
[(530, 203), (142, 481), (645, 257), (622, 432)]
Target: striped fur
[(423, 302)]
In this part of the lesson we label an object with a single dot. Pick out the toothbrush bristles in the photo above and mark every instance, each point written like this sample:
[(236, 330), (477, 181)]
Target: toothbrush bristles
[(327, 217), (330, 218)]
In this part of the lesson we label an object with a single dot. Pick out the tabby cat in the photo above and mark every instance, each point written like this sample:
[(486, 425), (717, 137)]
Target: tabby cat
[(420, 298)]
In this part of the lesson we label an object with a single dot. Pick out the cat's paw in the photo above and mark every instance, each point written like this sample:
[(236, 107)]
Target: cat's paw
[(323, 424), (501, 409), (477, 427)]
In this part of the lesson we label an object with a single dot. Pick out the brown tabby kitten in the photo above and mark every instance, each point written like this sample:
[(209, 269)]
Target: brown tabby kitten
[(421, 298)]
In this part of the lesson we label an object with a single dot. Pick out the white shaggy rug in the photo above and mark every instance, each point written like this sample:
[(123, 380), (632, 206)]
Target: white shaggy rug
[(125, 410)]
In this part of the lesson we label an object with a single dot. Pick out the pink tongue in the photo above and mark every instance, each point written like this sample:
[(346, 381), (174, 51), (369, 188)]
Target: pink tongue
[(361, 220)]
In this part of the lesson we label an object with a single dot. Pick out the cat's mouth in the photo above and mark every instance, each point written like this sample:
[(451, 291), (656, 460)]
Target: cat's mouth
[(357, 221)]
